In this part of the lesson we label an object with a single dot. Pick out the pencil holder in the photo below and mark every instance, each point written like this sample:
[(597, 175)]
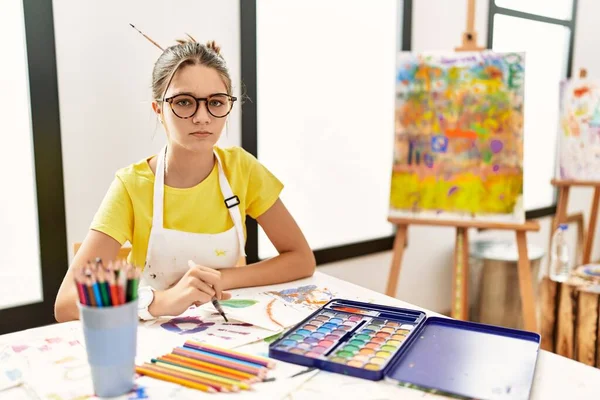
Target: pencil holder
[(110, 335)]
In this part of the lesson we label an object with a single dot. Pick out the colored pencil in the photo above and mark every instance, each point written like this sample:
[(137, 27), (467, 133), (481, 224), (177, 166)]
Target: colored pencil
[(102, 286), (114, 293), (231, 353), (219, 361), (189, 374), (81, 293), (122, 283), (208, 377), (232, 373), (96, 290), (207, 369), (224, 357), (174, 379)]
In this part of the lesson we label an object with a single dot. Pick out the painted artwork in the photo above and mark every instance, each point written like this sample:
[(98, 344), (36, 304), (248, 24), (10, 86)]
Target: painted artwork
[(579, 130), (458, 148), (250, 319), (59, 365), (261, 311), (309, 297)]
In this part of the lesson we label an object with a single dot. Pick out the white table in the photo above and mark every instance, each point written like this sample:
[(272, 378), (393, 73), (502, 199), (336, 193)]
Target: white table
[(556, 377)]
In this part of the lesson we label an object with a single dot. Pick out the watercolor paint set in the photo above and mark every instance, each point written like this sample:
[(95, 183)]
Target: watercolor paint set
[(375, 342)]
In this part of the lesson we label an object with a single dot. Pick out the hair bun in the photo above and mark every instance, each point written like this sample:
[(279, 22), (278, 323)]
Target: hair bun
[(214, 46)]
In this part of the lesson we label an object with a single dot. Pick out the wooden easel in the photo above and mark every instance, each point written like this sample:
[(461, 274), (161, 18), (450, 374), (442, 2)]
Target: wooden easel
[(460, 297), (564, 187)]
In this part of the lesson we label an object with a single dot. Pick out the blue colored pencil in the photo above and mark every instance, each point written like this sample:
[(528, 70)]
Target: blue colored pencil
[(96, 292)]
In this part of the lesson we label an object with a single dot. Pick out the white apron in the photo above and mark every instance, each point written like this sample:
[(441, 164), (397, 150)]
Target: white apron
[(170, 250)]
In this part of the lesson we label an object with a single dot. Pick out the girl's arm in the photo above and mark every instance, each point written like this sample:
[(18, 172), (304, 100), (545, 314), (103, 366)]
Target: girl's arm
[(96, 244), (295, 260)]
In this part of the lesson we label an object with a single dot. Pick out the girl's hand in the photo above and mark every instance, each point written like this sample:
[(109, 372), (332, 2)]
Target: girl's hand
[(198, 286)]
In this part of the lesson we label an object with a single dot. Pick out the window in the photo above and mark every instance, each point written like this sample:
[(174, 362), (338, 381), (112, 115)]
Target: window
[(33, 246), (544, 31), (336, 165)]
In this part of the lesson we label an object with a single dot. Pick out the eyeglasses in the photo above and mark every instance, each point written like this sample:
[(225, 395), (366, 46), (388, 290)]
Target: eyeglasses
[(185, 106)]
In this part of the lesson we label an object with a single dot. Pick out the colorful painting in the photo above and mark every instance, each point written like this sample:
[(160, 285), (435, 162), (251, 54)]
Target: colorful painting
[(309, 296), (579, 130), (458, 150), (260, 310)]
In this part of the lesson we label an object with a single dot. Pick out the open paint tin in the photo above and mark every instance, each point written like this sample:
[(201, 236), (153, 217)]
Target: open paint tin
[(377, 342)]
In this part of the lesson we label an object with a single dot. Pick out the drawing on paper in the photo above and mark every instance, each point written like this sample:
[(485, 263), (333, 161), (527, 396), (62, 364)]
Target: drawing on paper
[(458, 147), (579, 130), (205, 325), (260, 310), (309, 295), (238, 303), (186, 325)]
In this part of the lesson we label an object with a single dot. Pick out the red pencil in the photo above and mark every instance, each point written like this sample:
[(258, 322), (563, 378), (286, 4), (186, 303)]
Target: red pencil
[(113, 292), (80, 287)]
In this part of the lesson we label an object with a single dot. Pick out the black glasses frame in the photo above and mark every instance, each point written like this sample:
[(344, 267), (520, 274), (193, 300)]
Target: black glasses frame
[(232, 99)]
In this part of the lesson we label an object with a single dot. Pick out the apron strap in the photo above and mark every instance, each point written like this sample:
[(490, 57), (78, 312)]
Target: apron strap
[(232, 203), (159, 190)]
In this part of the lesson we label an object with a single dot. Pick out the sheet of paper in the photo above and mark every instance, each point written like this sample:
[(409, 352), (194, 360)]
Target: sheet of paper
[(260, 310)]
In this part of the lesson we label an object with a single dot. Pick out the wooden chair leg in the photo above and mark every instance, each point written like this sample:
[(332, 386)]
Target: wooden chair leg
[(394, 276), (526, 284), (589, 240), (460, 286)]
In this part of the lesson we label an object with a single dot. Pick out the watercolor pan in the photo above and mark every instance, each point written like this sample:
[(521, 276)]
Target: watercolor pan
[(375, 342)]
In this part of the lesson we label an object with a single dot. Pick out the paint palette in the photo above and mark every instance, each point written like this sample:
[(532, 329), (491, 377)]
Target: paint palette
[(377, 342), (354, 338)]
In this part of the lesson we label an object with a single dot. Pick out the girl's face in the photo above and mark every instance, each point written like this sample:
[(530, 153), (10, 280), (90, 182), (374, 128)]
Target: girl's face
[(200, 131)]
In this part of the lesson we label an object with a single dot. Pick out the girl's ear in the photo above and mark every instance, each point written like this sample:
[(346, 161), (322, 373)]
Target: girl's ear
[(158, 110), (155, 107)]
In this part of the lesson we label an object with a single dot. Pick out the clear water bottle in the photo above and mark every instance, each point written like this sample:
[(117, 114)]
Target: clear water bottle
[(559, 255)]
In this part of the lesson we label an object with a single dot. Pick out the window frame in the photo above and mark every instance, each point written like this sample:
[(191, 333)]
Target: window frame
[(494, 10), (47, 153), (250, 134)]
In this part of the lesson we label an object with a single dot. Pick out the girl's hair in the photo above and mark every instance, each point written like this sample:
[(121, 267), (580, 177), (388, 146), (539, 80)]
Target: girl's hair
[(187, 52)]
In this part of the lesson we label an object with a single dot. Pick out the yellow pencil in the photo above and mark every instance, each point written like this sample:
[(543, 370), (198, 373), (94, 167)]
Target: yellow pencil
[(174, 379), (210, 368), (201, 375)]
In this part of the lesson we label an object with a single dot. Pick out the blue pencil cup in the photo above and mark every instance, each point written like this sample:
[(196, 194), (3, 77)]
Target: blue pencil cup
[(110, 335)]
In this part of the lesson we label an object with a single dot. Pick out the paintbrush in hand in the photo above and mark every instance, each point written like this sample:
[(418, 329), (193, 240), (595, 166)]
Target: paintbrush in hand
[(214, 300)]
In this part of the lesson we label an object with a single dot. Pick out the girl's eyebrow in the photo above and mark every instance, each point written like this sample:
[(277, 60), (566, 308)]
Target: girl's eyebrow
[(194, 95)]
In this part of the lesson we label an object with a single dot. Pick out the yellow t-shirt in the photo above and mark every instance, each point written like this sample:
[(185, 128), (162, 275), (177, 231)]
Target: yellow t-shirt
[(126, 210)]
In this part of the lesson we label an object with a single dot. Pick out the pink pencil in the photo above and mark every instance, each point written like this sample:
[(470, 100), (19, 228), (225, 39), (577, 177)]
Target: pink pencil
[(230, 353)]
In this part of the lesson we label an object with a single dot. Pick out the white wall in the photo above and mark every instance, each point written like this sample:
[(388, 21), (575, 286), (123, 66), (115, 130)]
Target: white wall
[(104, 76), (326, 114), (426, 277)]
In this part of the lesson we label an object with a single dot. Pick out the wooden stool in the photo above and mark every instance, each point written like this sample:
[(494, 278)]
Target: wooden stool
[(570, 324)]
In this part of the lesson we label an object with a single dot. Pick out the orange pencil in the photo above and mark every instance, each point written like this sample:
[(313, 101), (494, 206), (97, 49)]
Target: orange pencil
[(208, 379), (218, 387), (174, 379), (232, 373), (114, 294)]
